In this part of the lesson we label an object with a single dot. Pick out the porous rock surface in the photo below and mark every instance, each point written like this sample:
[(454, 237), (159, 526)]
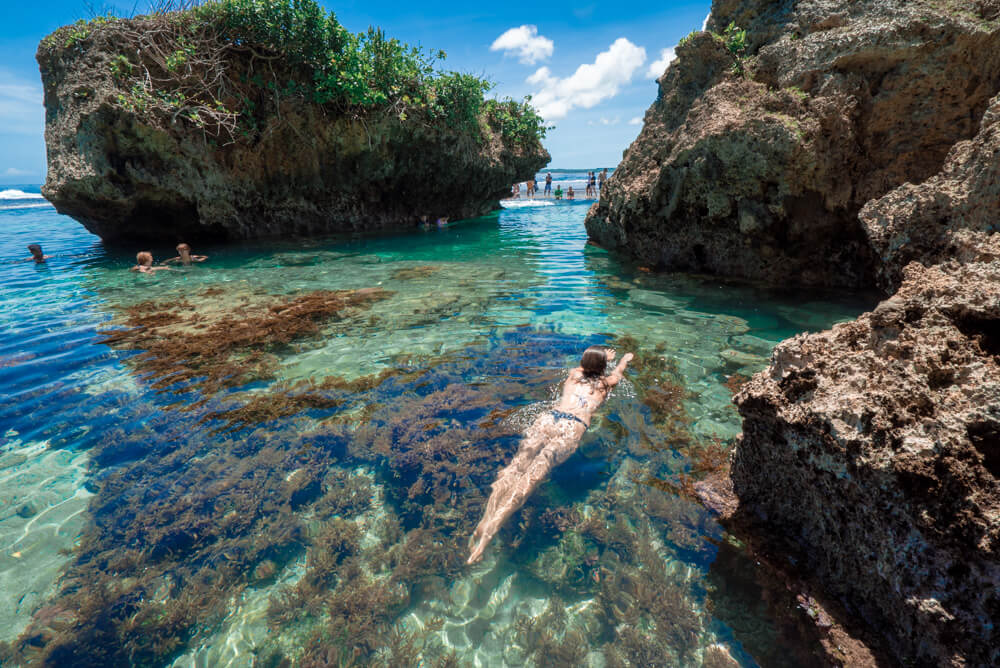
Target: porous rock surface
[(876, 447), (763, 176), (862, 149), (306, 170)]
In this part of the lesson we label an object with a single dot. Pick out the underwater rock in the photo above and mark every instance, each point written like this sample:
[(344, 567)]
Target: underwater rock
[(873, 449), (130, 158), (762, 175)]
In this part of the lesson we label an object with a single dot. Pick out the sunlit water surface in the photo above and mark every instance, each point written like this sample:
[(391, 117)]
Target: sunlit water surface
[(203, 538)]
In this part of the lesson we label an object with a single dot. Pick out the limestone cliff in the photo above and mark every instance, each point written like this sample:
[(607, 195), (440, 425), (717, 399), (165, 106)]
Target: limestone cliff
[(861, 148), (763, 175), (134, 153)]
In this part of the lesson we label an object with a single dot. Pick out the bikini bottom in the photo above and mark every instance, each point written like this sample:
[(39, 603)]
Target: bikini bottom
[(562, 415)]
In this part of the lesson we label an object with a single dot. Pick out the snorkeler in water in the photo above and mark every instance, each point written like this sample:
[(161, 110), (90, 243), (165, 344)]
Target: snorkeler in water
[(184, 255), (549, 441), (144, 263)]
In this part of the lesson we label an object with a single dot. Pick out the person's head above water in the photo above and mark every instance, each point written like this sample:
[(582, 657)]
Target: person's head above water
[(181, 247), (594, 361), (36, 253), (144, 258)]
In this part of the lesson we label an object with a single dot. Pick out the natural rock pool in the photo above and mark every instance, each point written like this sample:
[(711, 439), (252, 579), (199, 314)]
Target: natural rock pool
[(281, 453)]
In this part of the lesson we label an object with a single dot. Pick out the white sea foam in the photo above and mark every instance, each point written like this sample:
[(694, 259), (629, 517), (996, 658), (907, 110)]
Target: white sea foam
[(15, 206), (521, 203), (18, 194)]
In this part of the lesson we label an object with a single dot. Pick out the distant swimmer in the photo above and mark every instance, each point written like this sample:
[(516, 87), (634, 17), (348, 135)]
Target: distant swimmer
[(184, 256), (442, 221), (569, 193), (601, 179), (144, 263), (548, 442), (559, 192), (515, 191), (36, 254), (548, 184)]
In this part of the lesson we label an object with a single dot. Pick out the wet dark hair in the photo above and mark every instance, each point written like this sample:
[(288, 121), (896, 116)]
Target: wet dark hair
[(594, 361), (183, 246), (34, 248)]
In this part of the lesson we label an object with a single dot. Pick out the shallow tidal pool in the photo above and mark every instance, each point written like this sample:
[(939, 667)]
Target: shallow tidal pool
[(278, 455)]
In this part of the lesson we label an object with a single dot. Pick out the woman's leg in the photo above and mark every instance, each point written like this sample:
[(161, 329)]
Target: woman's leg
[(534, 440), (516, 489)]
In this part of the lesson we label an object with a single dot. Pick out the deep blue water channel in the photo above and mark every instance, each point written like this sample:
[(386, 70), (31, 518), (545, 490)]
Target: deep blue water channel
[(274, 466)]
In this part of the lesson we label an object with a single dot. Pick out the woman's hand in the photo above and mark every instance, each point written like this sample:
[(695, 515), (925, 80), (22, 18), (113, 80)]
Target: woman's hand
[(628, 357), (610, 353)]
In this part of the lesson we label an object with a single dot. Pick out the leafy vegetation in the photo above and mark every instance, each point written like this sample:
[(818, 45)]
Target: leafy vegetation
[(736, 43), (291, 49)]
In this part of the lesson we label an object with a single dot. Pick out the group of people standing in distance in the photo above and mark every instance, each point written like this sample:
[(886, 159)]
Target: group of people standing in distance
[(595, 183)]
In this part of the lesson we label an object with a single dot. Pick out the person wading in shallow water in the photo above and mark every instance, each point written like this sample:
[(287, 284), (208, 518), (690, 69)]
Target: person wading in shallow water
[(549, 441), (184, 256)]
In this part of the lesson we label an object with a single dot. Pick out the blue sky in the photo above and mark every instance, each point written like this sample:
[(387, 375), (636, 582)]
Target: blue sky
[(590, 65)]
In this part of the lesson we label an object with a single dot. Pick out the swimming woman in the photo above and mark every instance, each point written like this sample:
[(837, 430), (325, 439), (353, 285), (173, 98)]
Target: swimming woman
[(549, 441)]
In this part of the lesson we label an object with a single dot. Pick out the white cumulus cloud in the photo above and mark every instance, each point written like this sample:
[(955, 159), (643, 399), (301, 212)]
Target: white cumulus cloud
[(591, 84), (635, 121), (14, 171), (526, 43), (658, 66)]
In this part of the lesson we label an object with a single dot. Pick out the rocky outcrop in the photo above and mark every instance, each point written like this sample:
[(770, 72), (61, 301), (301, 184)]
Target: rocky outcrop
[(949, 217), (861, 149), (286, 166), (763, 175), (876, 448)]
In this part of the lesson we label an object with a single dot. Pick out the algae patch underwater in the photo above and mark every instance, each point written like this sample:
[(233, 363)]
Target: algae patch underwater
[(187, 516)]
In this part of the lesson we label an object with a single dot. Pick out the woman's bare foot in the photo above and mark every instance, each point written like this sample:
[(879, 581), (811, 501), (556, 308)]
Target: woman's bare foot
[(477, 551)]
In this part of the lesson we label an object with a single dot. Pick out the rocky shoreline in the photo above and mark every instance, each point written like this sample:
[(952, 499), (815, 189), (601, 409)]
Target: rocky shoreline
[(860, 149)]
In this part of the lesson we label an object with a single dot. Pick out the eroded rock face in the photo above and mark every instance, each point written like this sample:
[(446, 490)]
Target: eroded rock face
[(305, 170), (876, 447), (950, 216), (763, 177)]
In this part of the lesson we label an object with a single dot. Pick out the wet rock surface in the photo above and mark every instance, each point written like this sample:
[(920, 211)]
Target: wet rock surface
[(289, 168)]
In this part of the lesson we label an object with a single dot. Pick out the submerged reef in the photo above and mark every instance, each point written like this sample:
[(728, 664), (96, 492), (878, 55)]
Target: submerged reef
[(852, 144), (207, 347), (354, 506), (236, 120)]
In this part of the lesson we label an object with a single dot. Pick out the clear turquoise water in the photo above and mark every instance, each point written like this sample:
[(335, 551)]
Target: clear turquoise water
[(134, 527)]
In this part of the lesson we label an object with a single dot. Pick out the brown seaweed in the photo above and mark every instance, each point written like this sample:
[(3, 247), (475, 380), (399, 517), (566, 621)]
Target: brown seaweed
[(180, 344)]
